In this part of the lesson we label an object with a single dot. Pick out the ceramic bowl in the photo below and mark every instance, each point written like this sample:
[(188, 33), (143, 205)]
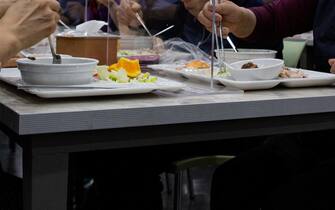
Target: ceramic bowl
[(268, 69), (246, 54), (72, 71)]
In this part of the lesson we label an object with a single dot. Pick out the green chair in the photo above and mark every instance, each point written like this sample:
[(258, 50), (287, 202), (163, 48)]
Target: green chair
[(182, 166), (292, 51)]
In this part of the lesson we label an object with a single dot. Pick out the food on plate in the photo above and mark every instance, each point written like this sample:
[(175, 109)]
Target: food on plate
[(197, 64), (124, 71), (145, 56), (132, 67), (249, 65), (223, 71), (138, 52), (288, 73)]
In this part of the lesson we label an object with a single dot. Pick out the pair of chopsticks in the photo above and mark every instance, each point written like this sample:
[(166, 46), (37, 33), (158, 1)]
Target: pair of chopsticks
[(140, 20), (231, 43), (63, 24), (147, 30)]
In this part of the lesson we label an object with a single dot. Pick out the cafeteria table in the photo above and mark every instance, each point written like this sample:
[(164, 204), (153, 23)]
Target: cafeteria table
[(49, 130)]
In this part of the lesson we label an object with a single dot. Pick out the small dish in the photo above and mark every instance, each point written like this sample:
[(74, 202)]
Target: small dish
[(230, 56), (72, 71), (267, 69)]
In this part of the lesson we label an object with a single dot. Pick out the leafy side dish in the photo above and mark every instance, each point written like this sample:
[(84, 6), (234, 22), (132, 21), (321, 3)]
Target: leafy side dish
[(223, 71), (203, 68), (124, 71)]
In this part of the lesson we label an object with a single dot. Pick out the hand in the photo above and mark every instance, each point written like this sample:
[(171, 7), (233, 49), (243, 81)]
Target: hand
[(4, 5), (75, 11), (238, 20), (194, 7), (158, 45), (332, 64), (27, 22), (126, 13)]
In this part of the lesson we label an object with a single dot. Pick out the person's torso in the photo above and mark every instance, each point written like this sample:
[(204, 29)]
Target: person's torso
[(324, 34)]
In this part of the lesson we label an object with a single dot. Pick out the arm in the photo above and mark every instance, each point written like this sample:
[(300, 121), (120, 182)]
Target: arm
[(283, 18), (8, 45), (278, 19), (4, 5), (25, 23)]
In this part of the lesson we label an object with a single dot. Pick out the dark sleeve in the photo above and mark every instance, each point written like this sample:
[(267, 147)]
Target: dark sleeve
[(283, 18)]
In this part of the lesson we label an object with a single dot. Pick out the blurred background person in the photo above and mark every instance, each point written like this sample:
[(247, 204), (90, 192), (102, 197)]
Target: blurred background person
[(159, 14)]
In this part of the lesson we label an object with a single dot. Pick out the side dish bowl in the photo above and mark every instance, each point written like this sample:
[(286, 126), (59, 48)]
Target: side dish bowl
[(268, 69), (72, 71), (230, 56)]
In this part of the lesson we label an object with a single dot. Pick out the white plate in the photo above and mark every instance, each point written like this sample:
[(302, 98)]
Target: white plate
[(314, 78), (12, 76), (249, 85), (187, 73)]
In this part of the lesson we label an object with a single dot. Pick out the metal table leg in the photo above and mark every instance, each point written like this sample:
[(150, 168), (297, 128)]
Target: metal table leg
[(45, 179)]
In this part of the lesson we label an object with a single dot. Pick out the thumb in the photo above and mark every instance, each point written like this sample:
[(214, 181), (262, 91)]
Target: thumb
[(136, 7), (332, 64)]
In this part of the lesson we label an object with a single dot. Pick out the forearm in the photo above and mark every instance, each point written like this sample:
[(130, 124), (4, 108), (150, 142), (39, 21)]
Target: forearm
[(4, 5), (283, 18), (8, 45)]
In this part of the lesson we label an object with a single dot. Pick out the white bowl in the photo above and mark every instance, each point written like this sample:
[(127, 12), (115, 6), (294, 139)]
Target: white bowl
[(72, 71), (246, 54), (268, 68), (136, 42)]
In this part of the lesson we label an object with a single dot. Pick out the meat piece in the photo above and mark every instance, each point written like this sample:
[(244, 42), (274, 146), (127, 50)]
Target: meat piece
[(249, 65), (288, 73)]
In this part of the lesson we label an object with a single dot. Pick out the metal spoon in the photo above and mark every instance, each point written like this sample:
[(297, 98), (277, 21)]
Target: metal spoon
[(56, 59)]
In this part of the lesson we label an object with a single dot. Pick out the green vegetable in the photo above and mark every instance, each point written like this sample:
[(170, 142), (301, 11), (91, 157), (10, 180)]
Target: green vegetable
[(223, 72), (103, 73), (119, 76), (145, 78)]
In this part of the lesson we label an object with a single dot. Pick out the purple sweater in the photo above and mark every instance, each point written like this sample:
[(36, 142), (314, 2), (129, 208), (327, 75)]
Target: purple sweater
[(283, 18)]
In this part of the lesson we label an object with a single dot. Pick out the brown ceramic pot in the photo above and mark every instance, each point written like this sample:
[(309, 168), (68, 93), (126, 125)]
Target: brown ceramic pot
[(89, 47)]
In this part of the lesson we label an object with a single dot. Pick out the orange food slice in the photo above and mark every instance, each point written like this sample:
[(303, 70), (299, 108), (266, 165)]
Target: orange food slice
[(132, 67)]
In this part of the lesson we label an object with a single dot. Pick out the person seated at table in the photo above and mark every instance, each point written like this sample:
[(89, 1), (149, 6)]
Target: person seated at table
[(289, 172), (24, 23), (72, 12), (156, 14), (194, 32), (279, 20), (182, 14)]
